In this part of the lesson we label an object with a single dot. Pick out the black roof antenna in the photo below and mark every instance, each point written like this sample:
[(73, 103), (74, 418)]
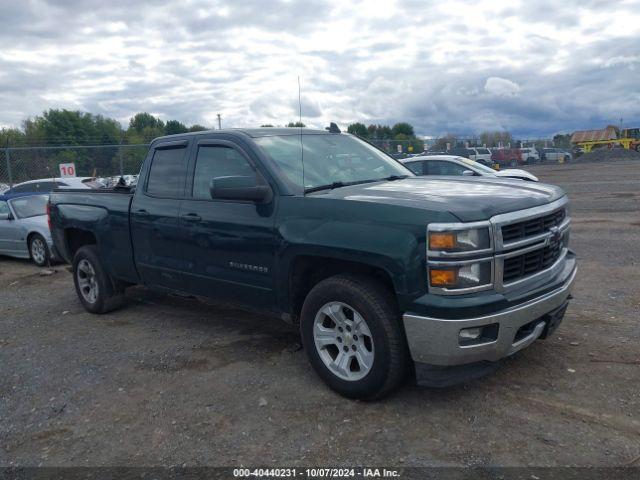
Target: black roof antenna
[(333, 128)]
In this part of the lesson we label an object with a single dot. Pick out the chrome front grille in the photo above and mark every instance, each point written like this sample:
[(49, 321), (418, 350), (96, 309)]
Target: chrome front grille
[(530, 244), (533, 226), (530, 263)]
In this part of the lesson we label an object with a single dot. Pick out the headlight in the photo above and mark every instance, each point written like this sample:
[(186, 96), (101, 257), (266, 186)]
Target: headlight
[(460, 240), (460, 257), (463, 276)]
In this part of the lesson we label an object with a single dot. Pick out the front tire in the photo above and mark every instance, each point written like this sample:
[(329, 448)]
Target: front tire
[(352, 334), (38, 250), (94, 286)]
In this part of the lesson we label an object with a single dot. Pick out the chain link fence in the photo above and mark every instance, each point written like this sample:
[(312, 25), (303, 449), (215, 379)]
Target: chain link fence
[(19, 164)]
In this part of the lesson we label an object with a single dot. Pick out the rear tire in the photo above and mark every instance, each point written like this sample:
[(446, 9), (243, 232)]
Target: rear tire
[(356, 305), (94, 286), (39, 250)]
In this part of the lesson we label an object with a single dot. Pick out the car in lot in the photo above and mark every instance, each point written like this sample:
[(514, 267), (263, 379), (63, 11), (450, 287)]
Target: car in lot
[(3, 188), (384, 273), (511, 157), (479, 154), (46, 185), (530, 155), (452, 165), (24, 229), (555, 155)]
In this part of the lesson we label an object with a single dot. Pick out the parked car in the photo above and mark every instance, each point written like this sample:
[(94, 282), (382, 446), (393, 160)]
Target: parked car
[(479, 154), (3, 188), (555, 155), (482, 155), (511, 157), (530, 155), (24, 230), (385, 273), (452, 165), (46, 185)]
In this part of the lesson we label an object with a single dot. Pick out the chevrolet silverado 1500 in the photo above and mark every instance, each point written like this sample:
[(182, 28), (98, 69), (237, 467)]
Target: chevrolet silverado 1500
[(385, 273)]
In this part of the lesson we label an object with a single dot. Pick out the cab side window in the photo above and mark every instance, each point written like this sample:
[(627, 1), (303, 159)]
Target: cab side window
[(4, 207), (445, 168), (217, 161), (167, 173), (415, 167)]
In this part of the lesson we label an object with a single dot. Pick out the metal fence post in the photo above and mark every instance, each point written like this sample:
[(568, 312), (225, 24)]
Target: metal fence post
[(8, 160), (120, 155)]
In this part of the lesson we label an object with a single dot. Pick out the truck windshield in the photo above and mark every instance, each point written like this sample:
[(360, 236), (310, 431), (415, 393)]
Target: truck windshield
[(330, 160)]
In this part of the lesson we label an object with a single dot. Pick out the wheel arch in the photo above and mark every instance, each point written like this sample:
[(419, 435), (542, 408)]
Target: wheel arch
[(306, 271), (76, 238)]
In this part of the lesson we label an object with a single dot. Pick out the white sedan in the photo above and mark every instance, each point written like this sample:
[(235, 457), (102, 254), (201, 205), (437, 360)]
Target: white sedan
[(454, 165)]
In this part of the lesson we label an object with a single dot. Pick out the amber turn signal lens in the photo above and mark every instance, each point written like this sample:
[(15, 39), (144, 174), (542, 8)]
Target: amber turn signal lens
[(443, 278), (442, 240)]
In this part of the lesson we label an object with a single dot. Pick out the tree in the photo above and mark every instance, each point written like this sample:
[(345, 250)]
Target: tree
[(441, 143), (496, 138), (11, 137), (173, 127), (562, 141), (296, 125), (197, 128), (144, 127), (358, 129), (403, 128), (141, 121)]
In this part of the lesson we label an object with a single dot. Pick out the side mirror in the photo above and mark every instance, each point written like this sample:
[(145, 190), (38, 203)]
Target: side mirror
[(468, 173), (240, 188), (5, 216)]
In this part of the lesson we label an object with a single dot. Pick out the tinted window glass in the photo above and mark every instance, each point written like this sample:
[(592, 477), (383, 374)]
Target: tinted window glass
[(4, 208), (215, 162), (415, 167), (445, 168), (26, 207), (45, 186), (166, 176), (23, 188)]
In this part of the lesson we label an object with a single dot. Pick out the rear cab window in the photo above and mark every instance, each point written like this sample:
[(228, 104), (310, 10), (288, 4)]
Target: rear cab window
[(167, 172)]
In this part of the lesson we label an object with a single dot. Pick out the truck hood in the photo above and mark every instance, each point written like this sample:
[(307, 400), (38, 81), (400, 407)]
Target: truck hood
[(470, 200)]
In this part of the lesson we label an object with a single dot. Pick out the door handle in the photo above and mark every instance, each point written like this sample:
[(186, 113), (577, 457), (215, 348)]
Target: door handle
[(191, 217), (142, 212)]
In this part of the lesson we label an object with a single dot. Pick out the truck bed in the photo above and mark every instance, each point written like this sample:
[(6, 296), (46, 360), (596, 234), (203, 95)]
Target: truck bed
[(101, 214)]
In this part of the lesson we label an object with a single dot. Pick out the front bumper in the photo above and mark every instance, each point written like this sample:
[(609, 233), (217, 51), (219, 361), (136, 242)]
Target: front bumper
[(435, 341)]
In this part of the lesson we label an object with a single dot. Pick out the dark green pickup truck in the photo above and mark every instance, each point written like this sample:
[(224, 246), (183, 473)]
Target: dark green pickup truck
[(386, 273)]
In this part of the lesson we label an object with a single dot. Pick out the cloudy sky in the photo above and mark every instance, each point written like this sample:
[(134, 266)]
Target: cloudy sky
[(534, 67)]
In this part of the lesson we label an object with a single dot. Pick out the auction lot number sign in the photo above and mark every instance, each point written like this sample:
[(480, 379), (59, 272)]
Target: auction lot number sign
[(67, 169)]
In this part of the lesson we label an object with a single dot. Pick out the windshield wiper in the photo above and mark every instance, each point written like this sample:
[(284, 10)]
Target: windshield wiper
[(391, 178), (331, 186)]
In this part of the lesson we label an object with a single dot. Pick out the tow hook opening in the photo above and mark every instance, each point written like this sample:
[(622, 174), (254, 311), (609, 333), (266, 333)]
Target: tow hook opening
[(478, 335)]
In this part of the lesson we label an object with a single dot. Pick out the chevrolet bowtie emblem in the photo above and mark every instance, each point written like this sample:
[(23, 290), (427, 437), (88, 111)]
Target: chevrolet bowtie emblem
[(556, 235)]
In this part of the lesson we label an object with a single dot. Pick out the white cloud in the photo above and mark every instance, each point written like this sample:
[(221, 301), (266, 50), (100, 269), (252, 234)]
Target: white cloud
[(459, 66), (501, 87)]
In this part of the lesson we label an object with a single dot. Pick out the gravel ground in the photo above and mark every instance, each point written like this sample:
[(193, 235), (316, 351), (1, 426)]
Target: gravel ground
[(172, 381)]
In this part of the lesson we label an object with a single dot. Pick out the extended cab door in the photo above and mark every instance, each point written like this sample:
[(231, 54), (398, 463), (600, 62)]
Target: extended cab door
[(155, 226), (229, 245)]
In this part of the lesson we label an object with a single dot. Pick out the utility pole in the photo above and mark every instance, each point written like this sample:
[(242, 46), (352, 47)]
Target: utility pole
[(219, 123)]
